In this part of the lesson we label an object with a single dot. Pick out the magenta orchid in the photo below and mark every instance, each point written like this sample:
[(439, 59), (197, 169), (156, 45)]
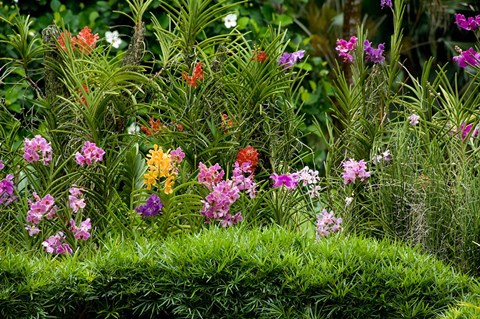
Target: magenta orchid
[(55, 245), (345, 48), (82, 231), (37, 149), (90, 153)]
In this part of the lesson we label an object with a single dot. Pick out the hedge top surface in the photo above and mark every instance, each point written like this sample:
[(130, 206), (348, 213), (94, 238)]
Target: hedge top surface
[(232, 273)]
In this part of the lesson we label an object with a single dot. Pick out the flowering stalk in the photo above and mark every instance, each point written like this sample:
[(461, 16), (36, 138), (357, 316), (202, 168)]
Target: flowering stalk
[(217, 204), (152, 207), (288, 60), (197, 75), (354, 169), (90, 153), (37, 149), (163, 165), (466, 58), (327, 224), (55, 245), (7, 189), (85, 41)]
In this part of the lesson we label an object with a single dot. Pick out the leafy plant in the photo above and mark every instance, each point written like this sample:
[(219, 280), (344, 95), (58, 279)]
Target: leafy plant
[(232, 273)]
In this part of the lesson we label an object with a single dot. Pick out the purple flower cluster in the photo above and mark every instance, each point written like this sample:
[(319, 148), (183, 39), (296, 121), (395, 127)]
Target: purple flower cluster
[(327, 224), (229, 220), (466, 58), (374, 55), (413, 119), (386, 3), (384, 157), (465, 131), (210, 176), (470, 23), (217, 204), (289, 59), (55, 245), (35, 148), (76, 199), (90, 153), (40, 207), (243, 178), (304, 177), (6, 190), (45, 207), (224, 193), (345, 47), (152, 207), (354, 169), (82, 231)]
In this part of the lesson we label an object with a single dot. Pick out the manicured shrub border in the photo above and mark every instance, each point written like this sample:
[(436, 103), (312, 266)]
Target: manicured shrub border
[(232, 273)]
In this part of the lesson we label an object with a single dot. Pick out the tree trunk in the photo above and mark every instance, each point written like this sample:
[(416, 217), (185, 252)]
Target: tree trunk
[(351, 19)]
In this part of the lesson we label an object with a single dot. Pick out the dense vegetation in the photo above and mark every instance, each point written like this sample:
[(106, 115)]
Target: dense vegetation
[(125, 135)]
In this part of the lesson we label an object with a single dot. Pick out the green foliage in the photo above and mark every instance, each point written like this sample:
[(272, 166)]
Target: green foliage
[(233, 273), (91, 92), (467, 309), (427, 193)]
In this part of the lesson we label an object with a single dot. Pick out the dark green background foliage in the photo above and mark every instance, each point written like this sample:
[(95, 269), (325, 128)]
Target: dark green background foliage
[(232, 274)]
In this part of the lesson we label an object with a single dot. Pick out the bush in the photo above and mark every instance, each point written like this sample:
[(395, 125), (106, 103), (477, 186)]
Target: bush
[(232, 274), (467, 309)]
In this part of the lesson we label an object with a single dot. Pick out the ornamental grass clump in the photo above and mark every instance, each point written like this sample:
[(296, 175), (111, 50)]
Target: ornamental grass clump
[(425, 193)]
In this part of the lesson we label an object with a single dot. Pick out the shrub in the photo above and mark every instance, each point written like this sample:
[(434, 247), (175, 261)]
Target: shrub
[(467, 309), (232, 273)]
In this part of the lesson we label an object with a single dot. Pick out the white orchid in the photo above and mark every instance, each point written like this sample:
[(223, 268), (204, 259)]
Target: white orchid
[(133, 128), (113, 38), (231, 20)]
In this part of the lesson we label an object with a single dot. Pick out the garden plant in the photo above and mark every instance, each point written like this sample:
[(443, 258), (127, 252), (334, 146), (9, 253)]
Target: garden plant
[(172, 175)]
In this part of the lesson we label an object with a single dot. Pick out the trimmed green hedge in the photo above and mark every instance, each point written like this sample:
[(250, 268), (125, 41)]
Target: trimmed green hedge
[(232, 274)]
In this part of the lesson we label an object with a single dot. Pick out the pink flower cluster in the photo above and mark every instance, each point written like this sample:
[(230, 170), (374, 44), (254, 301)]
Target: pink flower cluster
[(35, 148), (82, 231), (210, 176), (470, 23), (354, 169), (345, 47), (223, 193), (217, 204), (243, 178), (289, 180), (305, 177), (177, 155), (90, 153), (40, 207), (466, 58), (6, 190), (76, 199), (55, 245), (327, 224), (465, 129)]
